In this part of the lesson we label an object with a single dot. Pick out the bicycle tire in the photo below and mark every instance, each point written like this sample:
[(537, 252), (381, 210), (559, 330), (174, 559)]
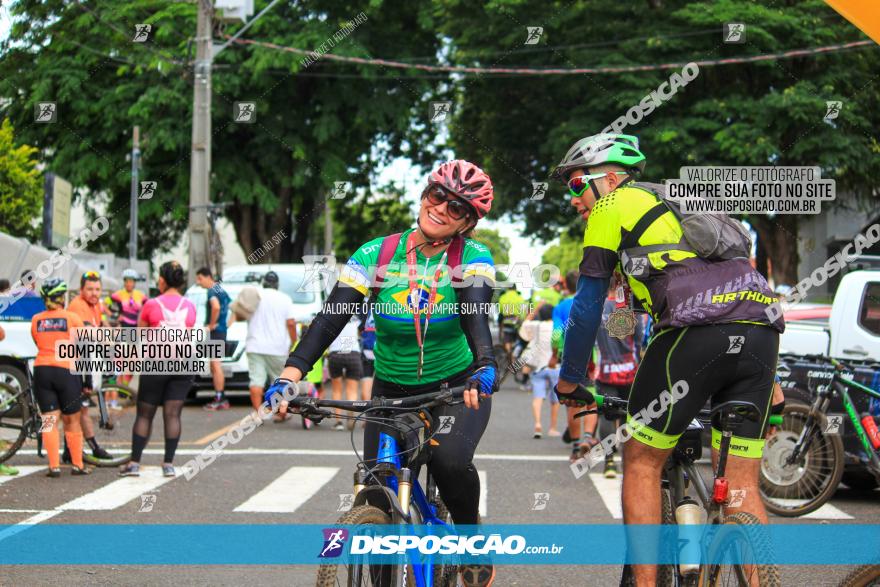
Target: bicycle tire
[(758, 541), (127, 398), (666, 573), (824, 448), (444, 575), (361, 515), (19, 409), (863, 576)]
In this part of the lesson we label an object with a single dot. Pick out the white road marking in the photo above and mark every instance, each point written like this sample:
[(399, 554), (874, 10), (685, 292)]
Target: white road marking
[(484, 492), (120, 492), (826, 512), (334, 453), (23, 471), (609, 491), (290, 491)]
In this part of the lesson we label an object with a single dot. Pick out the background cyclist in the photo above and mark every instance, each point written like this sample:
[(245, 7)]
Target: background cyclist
[(58, 391), (457, 348), (125, 309), (87, 305), (692, 336)]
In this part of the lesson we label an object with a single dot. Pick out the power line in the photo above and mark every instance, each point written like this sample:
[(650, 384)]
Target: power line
[(559, 71)]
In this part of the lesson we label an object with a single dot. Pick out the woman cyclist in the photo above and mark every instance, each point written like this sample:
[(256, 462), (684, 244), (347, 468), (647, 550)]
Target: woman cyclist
[(58, 391), (418, 349), (170, 310)]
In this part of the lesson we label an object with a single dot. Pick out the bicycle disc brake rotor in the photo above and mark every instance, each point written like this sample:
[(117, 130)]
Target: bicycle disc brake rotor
[(774, 466)]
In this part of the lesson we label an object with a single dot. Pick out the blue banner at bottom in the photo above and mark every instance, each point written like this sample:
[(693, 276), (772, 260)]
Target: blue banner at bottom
[(516, 544)]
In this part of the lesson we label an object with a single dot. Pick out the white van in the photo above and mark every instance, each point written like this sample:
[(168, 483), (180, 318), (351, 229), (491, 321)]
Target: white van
[(305, 287)]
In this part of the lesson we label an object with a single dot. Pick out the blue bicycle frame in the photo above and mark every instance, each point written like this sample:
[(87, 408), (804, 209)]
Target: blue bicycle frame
[(388, 453)]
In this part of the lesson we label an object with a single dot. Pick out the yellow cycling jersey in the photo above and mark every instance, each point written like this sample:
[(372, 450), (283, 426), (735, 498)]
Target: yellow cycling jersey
[(677, 287)]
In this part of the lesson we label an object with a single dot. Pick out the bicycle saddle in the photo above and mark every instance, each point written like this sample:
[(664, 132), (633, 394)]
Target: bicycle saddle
[(735, 412)]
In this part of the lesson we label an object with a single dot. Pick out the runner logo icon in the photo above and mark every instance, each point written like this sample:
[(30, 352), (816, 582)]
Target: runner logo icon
[(334, 539)]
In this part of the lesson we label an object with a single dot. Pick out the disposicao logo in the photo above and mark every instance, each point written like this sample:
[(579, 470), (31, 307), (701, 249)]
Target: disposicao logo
[(334, 539)]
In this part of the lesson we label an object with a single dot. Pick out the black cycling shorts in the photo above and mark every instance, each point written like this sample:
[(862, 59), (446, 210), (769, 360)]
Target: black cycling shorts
[(57, 389), (721, 362), (348, 365), (157, 389)]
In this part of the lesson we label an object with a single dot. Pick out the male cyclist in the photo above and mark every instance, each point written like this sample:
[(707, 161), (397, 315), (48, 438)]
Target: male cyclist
[(701, 308), (125, 307), (87, 305), (421, 340)]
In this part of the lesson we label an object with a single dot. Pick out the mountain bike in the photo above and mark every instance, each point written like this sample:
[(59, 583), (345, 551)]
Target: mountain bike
[(803, 462), (390, 492), (740, 540), (19, 418), (508, 356), (125, 398)]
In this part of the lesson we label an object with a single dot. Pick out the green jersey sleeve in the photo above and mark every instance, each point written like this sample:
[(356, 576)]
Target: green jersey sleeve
[(361, 267), (477, 262)]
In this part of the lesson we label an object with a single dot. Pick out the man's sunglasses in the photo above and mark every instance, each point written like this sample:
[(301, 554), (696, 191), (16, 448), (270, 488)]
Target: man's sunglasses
[(456, 208), (90, 276), (577, 185)]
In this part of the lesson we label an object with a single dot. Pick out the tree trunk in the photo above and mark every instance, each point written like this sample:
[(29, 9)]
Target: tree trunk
[(779, 237)]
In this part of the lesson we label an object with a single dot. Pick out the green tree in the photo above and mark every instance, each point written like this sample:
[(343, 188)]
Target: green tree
[(498, 245), (565, 254), (366, 218), (316, 123), (21, 190), (761, 113)]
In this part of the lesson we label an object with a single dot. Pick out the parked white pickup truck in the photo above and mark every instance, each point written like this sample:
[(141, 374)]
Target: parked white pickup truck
[(848, 329)]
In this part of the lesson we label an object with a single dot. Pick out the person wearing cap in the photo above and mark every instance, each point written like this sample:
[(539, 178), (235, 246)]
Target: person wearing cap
[(271, 333)]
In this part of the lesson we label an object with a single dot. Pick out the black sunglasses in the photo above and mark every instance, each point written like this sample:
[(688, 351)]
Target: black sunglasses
[(456, 208)]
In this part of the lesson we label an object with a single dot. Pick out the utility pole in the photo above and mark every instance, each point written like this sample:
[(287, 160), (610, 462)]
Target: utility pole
[(328, 229), (200, 162), (133, 212)]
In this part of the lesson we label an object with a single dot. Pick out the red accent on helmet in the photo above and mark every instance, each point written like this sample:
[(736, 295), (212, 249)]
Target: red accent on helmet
[(467, 181)]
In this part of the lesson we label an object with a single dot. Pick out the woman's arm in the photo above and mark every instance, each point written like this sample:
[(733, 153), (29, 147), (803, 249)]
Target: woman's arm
[(476, 326)]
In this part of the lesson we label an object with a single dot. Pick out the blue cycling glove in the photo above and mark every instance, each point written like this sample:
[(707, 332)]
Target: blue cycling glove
[(484, 380), (279, 387)]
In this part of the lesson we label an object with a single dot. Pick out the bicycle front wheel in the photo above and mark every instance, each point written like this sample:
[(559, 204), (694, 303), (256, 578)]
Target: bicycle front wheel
[(740, 552), (864, 576), (15, 414), (117, 398), (359, 575), (798, 488)]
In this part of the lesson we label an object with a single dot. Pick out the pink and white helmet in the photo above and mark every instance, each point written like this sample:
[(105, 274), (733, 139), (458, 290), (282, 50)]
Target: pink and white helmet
[(467, 181)]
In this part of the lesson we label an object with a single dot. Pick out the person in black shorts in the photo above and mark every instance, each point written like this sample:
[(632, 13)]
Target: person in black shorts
[(345, 364), (216, 321), (169, 310)]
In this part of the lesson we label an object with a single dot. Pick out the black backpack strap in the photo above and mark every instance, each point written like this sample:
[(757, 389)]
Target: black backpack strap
[(631, 240)]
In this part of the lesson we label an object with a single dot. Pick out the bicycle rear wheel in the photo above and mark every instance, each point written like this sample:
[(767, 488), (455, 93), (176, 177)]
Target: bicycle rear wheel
[(125, 398), (864, 576), (359, 575), (740, 549), (796, 489), (15, 415)]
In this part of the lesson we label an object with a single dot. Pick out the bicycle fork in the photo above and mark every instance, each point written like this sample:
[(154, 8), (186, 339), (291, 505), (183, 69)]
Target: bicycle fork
[(807, 434)]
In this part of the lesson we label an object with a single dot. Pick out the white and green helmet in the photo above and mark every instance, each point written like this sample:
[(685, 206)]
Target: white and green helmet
[(600, 149)]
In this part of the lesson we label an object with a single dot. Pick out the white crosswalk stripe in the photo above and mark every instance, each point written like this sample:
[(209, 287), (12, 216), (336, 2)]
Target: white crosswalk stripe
[(119, 492), (609, 492), (484, 493), (290, 491)]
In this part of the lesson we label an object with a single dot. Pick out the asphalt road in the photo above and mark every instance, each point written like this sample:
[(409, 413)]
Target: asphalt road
[(235, 490)]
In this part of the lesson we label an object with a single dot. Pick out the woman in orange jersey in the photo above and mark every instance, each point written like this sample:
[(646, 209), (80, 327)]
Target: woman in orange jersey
[(58, 391)]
